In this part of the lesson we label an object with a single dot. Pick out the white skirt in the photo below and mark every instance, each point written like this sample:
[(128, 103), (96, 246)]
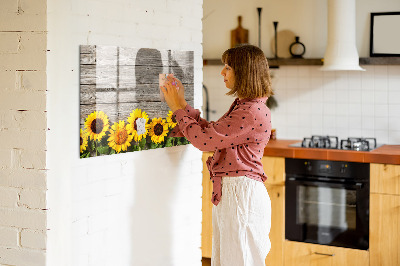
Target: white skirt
[(241, 223)]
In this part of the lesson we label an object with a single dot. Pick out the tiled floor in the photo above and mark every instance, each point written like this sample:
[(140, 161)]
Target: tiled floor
[(206, 261)]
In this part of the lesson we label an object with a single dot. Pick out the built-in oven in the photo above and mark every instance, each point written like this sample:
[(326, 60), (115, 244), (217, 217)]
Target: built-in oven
[(327, 202)]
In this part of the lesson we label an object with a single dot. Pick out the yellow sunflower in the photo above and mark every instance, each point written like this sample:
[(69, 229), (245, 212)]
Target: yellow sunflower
[(132, 126), (97, 125), (171, 120), (83, 140), (158, 130), (119, 139)]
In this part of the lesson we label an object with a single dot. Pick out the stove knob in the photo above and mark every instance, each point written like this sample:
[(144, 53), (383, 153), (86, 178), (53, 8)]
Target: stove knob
[(308, 166), (343, 168)]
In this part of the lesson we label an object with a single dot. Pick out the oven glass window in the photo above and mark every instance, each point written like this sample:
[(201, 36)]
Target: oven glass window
[(326, 207)]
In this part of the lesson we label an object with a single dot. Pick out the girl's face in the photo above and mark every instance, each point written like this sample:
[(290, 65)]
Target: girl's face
[(229, 76)]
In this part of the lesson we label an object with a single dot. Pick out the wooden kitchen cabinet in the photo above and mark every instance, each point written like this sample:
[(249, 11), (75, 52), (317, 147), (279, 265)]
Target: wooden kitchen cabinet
[(305, 254), (277, 233), (384, 236), (385, 178), (206, 225), (274, 168)]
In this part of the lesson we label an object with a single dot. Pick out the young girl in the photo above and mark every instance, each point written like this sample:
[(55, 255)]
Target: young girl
[(242, 209)]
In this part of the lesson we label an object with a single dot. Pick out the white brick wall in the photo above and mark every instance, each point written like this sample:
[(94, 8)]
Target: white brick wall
[(140, 208), (34, 239), (22, 132)]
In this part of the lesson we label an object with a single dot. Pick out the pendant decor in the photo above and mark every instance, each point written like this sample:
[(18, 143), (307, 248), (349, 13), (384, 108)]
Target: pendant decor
[(121, 108)]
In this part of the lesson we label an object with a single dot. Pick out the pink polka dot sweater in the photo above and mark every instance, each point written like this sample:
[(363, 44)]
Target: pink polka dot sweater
[(238, 139)]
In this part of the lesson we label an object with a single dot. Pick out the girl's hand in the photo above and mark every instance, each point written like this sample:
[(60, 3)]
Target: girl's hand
[(181, 91), (171, 95)]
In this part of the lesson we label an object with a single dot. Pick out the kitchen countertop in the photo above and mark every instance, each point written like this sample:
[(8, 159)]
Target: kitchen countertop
[(389, 154)]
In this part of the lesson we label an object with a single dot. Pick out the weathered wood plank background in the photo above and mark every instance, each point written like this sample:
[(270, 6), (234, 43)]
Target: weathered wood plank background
[(117, 80)]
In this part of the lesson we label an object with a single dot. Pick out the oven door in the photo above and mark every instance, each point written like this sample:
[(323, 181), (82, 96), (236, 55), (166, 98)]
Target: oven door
[(327, 213)]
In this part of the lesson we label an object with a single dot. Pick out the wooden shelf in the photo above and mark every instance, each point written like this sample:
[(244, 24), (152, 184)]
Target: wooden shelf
[(380, 61), (274, 63)]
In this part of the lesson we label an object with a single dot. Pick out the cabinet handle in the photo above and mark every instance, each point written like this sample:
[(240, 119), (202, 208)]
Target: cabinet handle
[(324, 254)]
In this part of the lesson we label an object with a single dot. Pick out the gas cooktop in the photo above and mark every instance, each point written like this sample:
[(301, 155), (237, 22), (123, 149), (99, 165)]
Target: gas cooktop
[(332, 142)]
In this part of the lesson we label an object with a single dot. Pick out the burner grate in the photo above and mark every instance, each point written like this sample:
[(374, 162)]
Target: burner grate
[(332, 142), (327, 142), (358, 144)]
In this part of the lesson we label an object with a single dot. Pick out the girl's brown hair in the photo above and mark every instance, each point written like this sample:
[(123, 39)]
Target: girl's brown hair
[(250, 66)]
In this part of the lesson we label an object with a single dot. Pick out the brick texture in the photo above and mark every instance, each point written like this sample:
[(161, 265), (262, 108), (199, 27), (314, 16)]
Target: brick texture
[(23, 125), (33, 239), (9, 237)]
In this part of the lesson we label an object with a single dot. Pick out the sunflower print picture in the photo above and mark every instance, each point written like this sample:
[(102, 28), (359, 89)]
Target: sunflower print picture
[(119, 137), (121, 106), (96, 125), (171, 120), (83, 140), (158, 130), (133, 119)]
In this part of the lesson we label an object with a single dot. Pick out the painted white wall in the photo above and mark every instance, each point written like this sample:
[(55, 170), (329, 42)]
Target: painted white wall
[(306, 19), (343, 103), (311, 102), (140, 208)]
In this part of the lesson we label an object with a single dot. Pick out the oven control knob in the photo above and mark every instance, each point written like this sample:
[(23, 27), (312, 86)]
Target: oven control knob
[(308, 166), (343, 168)]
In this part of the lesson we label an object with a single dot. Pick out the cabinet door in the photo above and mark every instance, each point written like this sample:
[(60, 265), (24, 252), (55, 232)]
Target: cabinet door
[(277, 233), (274, 168), (304, 254), (384, 230), (385, 178), (206, 232)]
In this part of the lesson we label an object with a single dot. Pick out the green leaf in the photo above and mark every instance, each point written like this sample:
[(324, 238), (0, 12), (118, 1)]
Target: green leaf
[(85, 155), (153, 145), (136, 148), (103, 150), (142, 143), (168, 141), (91, 145)]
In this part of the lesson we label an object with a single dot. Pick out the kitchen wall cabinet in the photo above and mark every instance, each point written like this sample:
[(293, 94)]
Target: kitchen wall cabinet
[(385, 215), (305, 254)]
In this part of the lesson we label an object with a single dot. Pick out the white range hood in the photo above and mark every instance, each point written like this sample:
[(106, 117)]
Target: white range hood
[(341, 51)]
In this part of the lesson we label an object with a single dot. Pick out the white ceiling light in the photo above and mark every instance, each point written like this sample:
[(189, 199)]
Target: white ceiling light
[(341, 51)]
